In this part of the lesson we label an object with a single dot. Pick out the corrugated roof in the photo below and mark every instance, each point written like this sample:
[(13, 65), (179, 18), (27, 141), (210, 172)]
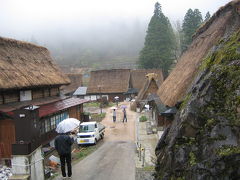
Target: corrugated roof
[(55, 107), (80, 91)]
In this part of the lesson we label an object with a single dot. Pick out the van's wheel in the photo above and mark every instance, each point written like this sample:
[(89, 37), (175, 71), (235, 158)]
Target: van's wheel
[(95, 141), (102, 136)]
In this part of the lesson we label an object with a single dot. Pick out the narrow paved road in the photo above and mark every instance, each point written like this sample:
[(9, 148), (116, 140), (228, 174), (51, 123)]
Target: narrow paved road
[(114, 160)]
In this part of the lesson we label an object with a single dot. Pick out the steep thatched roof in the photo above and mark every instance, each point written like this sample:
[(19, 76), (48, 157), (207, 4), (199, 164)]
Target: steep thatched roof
[(150, 86), (24, 65), (109, 81), (76, 81), (138, 76), (226, 20)]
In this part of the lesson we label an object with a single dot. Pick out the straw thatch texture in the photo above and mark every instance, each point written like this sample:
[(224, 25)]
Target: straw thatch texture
[(138, 76), (24, 65), (109, 81), (226, 20), (76, 81), (150, 86)]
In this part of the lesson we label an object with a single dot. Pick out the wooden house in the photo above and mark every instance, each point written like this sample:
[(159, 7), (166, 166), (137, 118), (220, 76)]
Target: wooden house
[(124, 83), (108, 84), (30, 101), (151, 86), (161, 115), (76, 81), (138, 77)]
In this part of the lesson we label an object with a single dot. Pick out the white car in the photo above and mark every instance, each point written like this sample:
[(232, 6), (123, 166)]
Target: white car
[(90, 133)]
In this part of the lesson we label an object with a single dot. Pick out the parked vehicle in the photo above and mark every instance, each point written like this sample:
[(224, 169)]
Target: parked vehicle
[(90, 133)]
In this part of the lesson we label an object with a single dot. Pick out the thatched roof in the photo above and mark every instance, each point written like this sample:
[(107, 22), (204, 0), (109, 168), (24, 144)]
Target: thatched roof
[(150, 86), (24, 65), (138, 76), (225, 21), (76, 81), (109, 81)]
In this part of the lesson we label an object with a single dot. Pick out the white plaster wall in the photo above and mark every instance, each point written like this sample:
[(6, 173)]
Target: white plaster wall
[(37, 169), (31, 164), (20, 165)]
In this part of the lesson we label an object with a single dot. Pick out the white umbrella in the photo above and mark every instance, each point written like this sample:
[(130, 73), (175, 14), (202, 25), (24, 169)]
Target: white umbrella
[(113, 107), (67, 125)]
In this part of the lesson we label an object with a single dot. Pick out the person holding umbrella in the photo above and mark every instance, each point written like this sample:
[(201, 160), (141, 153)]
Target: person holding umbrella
[(124, 115), (63, 143), (114, 115)]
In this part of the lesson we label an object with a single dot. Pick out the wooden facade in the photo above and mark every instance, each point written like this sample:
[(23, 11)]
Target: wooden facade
[(11, 130), (10, 97), (14, 95), (7, 137), (38, 93)]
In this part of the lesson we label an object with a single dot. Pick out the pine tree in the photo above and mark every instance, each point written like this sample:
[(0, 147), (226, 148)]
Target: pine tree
[(159, 43), (207, 16), (192, 21)]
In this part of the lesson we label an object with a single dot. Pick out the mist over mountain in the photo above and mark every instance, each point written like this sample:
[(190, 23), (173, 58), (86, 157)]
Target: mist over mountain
[(104, 44)]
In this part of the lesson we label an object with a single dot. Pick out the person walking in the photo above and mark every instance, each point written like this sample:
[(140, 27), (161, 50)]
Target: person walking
[(63, 143), (124, 115), (114, 115)]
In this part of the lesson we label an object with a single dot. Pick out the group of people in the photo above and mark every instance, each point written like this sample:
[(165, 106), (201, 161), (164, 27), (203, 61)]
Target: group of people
[(124, 115)]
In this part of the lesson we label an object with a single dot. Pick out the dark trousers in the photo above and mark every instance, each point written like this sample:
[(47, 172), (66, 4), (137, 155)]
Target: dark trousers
[(66, 158), (125, 118)]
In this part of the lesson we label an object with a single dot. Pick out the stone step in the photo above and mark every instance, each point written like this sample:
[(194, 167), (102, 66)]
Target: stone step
[(19, 177)]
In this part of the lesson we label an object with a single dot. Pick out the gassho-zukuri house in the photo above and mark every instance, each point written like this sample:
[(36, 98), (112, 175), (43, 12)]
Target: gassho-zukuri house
[(122, 83), (30, 101)]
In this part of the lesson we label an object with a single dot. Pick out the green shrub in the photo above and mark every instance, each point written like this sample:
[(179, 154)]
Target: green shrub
[(143, 119), (98, 117), (91, 104)]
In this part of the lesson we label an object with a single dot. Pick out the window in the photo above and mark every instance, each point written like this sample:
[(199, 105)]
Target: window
[(25, 95), (78, 109), (58, 119), (53, 122), (47, 125), (42, 127)]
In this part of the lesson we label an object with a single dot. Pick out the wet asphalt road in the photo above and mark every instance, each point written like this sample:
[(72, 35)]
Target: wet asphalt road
[(112, 161)]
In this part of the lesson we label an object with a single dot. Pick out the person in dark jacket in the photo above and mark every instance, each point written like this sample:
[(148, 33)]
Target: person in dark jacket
[(63, 143), (124, 115)]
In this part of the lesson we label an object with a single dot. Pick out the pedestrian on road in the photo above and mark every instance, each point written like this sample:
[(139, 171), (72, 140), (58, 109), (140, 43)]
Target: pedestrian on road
[(63, 143), (114, 115), (124, 115)]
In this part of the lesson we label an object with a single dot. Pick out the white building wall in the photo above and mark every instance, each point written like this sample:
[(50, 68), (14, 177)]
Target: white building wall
[(31, 164)]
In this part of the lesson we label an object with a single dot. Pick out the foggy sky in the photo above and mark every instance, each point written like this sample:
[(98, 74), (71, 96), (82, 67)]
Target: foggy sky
[(22, 19)]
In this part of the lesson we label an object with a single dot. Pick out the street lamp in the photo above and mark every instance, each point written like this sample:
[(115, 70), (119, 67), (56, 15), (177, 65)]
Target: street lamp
[(99, 88)]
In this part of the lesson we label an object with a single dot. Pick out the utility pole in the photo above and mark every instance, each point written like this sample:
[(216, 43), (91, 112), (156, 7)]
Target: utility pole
[(99, 88)]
